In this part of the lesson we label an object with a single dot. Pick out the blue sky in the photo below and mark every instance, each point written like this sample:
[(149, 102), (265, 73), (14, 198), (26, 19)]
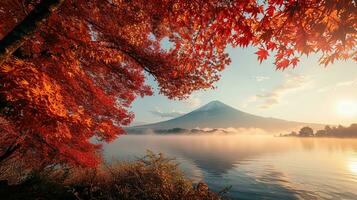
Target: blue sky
[(308, 93)]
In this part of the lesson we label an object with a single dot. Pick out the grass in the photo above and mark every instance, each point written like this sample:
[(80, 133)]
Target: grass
[(152, 177)]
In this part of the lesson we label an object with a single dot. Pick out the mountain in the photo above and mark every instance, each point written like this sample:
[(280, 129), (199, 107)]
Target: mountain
[(219, 115)]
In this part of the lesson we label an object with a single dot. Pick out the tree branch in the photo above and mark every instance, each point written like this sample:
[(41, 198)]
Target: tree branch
[(25, 29), (9, 151)]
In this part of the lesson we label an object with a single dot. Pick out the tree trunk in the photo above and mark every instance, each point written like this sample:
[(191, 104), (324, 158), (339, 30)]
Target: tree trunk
[(25, 29)]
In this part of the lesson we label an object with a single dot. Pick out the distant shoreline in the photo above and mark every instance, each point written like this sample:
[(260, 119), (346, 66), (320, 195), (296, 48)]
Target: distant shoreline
[(327, 132), (347, 137), (177, 131)]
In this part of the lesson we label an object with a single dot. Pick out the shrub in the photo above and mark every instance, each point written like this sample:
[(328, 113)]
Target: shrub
[(152, 177)]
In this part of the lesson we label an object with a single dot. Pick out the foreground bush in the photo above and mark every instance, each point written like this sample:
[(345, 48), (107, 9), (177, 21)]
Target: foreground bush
[(153, 177)]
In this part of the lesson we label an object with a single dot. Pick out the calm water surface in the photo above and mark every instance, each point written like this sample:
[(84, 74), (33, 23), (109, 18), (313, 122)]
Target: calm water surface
[(257, 167)]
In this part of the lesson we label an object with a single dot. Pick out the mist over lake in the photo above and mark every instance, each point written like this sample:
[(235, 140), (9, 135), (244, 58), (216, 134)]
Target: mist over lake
[(257, 167)]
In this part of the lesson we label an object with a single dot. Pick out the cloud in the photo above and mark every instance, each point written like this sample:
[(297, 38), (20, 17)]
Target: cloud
[(261, 78), (193, 101), (137, 123), (269, 102), (338, 85), (346, 83), (232, 130), (290, 82), (325, 89), (170, 114)]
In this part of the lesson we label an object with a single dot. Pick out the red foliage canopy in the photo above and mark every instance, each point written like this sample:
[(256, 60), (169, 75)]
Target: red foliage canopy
[(76, 76)]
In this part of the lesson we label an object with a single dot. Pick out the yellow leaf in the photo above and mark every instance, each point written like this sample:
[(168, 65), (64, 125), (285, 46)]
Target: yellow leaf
[(6, 68), (24, 82), (47, 87), (88, 121)]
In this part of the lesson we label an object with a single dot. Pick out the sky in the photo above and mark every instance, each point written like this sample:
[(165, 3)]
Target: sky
[(308, 93)]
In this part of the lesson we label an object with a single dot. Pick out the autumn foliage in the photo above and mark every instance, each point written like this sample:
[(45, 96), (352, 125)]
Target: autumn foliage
[(75, 77), (152, 177)]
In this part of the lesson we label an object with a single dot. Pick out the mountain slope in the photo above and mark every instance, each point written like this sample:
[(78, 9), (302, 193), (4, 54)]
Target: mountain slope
[(219, 115)]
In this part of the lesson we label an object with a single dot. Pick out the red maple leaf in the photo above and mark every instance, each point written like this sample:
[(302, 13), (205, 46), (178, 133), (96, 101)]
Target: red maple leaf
[(294, 61), (271, 46), (282, 64), (262, 54)]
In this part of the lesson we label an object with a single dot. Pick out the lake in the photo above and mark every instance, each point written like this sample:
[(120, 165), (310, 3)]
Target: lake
[(257, 167)]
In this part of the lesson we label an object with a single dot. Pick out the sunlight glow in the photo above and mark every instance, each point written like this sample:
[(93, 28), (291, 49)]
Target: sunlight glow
[(347, 108), (353, 167)]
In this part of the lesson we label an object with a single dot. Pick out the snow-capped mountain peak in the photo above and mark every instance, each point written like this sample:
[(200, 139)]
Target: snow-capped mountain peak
[(213, 105)]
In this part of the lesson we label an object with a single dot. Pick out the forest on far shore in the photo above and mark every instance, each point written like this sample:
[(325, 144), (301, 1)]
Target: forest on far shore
[(339, 131)]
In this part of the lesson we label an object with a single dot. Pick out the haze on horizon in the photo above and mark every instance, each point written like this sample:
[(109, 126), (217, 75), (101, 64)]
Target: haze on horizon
[(309, 93)]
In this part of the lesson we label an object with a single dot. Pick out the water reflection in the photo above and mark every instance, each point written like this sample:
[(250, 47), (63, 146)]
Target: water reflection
[(257, 166), (353, 166)]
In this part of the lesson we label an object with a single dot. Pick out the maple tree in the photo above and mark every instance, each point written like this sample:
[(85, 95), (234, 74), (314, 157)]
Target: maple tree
[(70, 69)]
